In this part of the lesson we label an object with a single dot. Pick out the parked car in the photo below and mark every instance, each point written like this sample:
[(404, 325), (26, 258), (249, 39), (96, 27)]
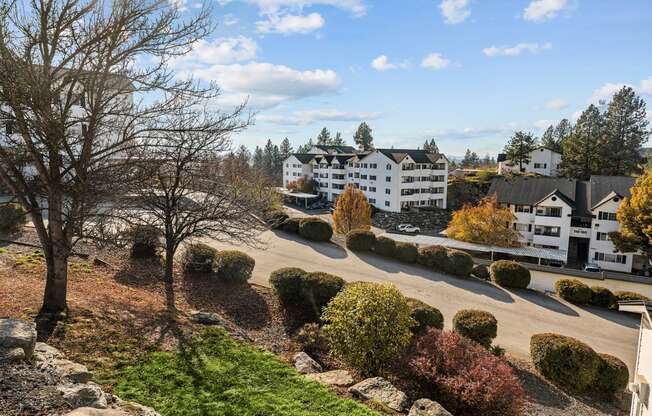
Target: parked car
[(409, 228), (593, 268)]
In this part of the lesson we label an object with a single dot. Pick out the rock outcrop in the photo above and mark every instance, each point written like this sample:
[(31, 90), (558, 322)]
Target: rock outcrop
[(380, 390), (341, 378), (17, 334), (305, 364), (426, 407)]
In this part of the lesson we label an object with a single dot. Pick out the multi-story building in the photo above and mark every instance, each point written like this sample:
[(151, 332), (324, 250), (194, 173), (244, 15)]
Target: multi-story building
[(542, 161), (570, 215), (642, 377), (392, 179)]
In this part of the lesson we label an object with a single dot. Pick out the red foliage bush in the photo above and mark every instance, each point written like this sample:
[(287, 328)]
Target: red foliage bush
[(463, 376)]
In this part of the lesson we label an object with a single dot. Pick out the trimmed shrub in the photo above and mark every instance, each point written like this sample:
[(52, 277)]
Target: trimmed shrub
[(318, 288), (601, 296), (287, 283), (612, 376), (480, 271), (465, 378), (12, 218), (234, 266), (564, 361), (624, 295), (509, 273), (385, 246), (573, 290), (199, 258), (310, 339), (425, 316), (315, 229), (291, 225), (360, 240), (480, 326), (434, 257), (276, 218), (406, 252), (367, 325), (459, 263), (146, 242)]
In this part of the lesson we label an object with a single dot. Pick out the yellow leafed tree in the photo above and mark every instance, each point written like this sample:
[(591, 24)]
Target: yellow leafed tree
[(486, 223), (635, 218), (352, 211)]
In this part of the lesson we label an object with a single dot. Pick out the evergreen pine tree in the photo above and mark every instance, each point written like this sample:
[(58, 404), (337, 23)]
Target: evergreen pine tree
[(285, 149), (363, 138), (431, 146), (306, 147), (338, 140), (581, 156), (324, 137), (258, 159), (519, 147), (563, 129), (548, 138)]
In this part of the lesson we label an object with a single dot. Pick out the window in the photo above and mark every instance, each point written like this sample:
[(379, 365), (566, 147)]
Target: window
[(607, 216), (388, 191), (523, 227), (350, 174), (549, 212), (547, 231), (523, 208), (439, 166), (363, 176), (388, 178), (438, 178), (425, 190), (372, 189), (373, 166), (439, 190), (602, 236), (540, 165), (388, 167), (386, 203), (287, 165), (610, 258), (372, 201), (372, 177), (356, 174), (363, 187)]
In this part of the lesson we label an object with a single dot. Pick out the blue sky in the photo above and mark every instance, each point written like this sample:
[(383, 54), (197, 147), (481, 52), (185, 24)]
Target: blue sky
[(466, 72)]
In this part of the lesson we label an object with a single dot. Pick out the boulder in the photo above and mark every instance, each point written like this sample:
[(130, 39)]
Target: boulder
[(15, 333), (207, 318), (306, 365), (425, 407), (332, 378), (12, 355), (75, 372), (91, 411), (131, 408), (83, 395), (380, 390), (44, 352)]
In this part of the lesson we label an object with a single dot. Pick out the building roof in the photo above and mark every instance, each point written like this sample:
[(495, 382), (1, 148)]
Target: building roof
[(583, 196), (304, 157), (335, 149), (419, 156)]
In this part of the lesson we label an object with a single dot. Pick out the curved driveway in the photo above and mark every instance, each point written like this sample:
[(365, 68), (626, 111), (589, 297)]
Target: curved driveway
[(520, 313)]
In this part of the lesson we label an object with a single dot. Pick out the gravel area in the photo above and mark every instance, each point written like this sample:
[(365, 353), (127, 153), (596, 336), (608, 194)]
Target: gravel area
[(22, 391)]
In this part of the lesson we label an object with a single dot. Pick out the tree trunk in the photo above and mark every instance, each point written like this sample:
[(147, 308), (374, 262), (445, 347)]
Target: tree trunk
[(56, 283), (169, 281)]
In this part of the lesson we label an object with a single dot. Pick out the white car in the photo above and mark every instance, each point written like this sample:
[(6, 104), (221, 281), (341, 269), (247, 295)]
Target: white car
[(593, 268), (409, 228)]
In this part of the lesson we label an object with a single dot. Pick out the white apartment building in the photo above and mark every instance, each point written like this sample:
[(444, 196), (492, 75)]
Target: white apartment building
[(392, 179), (543, 161), (573, 216), (642, 380)]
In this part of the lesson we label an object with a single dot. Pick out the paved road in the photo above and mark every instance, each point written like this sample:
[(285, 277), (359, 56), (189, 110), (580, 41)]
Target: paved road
[(519, 313)]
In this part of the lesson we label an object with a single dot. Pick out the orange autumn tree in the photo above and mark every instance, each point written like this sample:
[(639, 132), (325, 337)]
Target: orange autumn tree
[(486, 223), (352, 211)]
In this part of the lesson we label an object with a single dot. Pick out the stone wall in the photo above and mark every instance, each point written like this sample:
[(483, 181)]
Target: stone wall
[(433, 221)]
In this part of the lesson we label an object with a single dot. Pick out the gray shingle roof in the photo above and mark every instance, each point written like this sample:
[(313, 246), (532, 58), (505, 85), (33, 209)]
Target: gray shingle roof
[(336, 149), (601, 186), (304, 157), (419, 156)]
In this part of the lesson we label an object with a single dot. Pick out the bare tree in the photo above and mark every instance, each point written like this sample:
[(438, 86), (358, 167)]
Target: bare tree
[(82, 83), (182, 201)]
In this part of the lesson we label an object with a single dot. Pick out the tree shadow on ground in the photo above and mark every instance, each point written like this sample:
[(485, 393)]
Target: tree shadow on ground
[(328, 249), (621, 318), (477, 286), (239, 302), (540, 391), (545, 301), (141, 273)]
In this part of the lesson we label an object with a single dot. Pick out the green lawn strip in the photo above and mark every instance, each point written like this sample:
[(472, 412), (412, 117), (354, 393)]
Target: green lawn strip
[(214, 375)]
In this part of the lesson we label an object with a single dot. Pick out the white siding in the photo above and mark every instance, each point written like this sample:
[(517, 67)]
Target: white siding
[(542, 162), (605, 226)]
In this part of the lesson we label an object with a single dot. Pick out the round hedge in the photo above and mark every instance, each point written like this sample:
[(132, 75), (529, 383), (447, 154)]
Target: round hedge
[(406, 252), (509, 273), (385, 246), (459, 263), (624, 295), (291, 225), (315, 229), (480, 326), (367, 326), (234, 266), (360, 240), (287, 282), (612, 375), (435, 257), (12, 218), (425, 316), (601, 296), (199, 258), (573, 290), (565, 361), (318, 288), (480, 271)]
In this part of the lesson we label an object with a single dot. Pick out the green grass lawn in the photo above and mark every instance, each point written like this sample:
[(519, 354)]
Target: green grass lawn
[(214, 375)]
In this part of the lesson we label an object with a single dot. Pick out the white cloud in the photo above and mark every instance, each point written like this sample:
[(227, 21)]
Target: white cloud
[(312, 116), (230, 20), (218, 51), (555, 104), (455, 11), (435, 62), (646, 86), (381, 63), (540, 10), (543, 124), (271, 7), (291, 23), (516, 50), (605, 92)]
